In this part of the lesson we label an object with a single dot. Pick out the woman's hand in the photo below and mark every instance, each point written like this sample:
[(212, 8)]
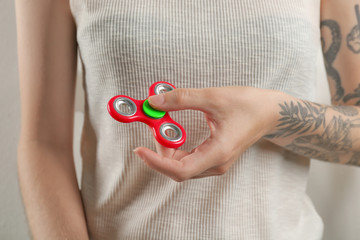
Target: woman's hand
[(237, 118)]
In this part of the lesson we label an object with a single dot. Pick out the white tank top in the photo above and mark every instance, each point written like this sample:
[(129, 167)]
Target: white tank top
[(125, 46)]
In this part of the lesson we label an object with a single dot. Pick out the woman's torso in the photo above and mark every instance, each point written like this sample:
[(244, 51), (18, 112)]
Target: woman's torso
[(125, 46)]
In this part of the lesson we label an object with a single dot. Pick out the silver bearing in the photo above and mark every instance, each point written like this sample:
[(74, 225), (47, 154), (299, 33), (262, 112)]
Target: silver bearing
[(162, 88), (125, 106), (170, 132)]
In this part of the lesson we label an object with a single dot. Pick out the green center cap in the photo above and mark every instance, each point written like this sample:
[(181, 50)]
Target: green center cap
[(152, 112)]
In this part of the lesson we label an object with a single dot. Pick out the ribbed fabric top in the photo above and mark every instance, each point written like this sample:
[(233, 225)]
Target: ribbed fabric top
[(125, 46)]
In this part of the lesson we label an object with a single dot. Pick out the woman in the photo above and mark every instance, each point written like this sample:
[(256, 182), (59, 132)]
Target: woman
[(247, 68)]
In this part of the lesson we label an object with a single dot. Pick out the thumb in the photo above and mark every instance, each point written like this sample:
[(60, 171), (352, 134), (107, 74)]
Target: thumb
[(179, 99)]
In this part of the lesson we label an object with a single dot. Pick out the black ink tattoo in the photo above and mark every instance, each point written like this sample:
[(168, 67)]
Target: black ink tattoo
[(355, 159), (353, 43), (354, 95), (303, 118), (299, 118), (331, 145), (346, 110), (330, 55), (334, 139), (353, 38)]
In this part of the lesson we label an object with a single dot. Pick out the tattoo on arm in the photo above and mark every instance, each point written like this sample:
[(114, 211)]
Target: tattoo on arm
[(355, 159), (334, 141), (353, 43), (303, 118), (330, 55), (353, 38), (298, 118), (354, 95), (346, 110), (315, 133)]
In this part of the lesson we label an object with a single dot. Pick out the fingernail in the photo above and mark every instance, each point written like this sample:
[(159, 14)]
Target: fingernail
[(157, 99), (135, 151)]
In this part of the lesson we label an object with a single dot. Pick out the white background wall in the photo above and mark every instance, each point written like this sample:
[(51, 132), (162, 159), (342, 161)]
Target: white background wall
[(334, 189)]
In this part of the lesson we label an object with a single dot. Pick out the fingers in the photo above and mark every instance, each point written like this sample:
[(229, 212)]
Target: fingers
[(165, 165), (182, 98), (164, 151), (161, 150), (217, 170), (208, 155), (168, 152)]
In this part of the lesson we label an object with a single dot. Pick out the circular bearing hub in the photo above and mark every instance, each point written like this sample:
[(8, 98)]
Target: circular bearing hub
[(151, 112)]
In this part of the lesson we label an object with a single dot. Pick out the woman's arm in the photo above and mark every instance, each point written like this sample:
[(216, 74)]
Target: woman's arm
[(330, 133), (340, 38), (240, 116), (47, 67)]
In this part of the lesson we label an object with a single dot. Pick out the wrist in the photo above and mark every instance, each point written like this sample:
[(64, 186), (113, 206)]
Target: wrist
[(271, 101)]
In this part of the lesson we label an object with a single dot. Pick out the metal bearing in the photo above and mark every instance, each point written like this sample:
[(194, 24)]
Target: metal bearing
[(125, 106), (170, 126), (162, 88)]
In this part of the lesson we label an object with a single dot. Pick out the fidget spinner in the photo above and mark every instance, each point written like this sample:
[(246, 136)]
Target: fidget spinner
[(166, 131)]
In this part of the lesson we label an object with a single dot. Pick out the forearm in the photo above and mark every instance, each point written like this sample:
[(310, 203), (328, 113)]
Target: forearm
[(50, 192), (330, 133)]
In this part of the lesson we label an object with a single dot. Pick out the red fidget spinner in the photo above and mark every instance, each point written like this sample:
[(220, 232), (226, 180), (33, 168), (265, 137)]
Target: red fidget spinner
[(166, 131)]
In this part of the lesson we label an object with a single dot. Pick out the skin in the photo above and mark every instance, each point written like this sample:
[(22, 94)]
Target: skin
[(325, 132), (47, 66)]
